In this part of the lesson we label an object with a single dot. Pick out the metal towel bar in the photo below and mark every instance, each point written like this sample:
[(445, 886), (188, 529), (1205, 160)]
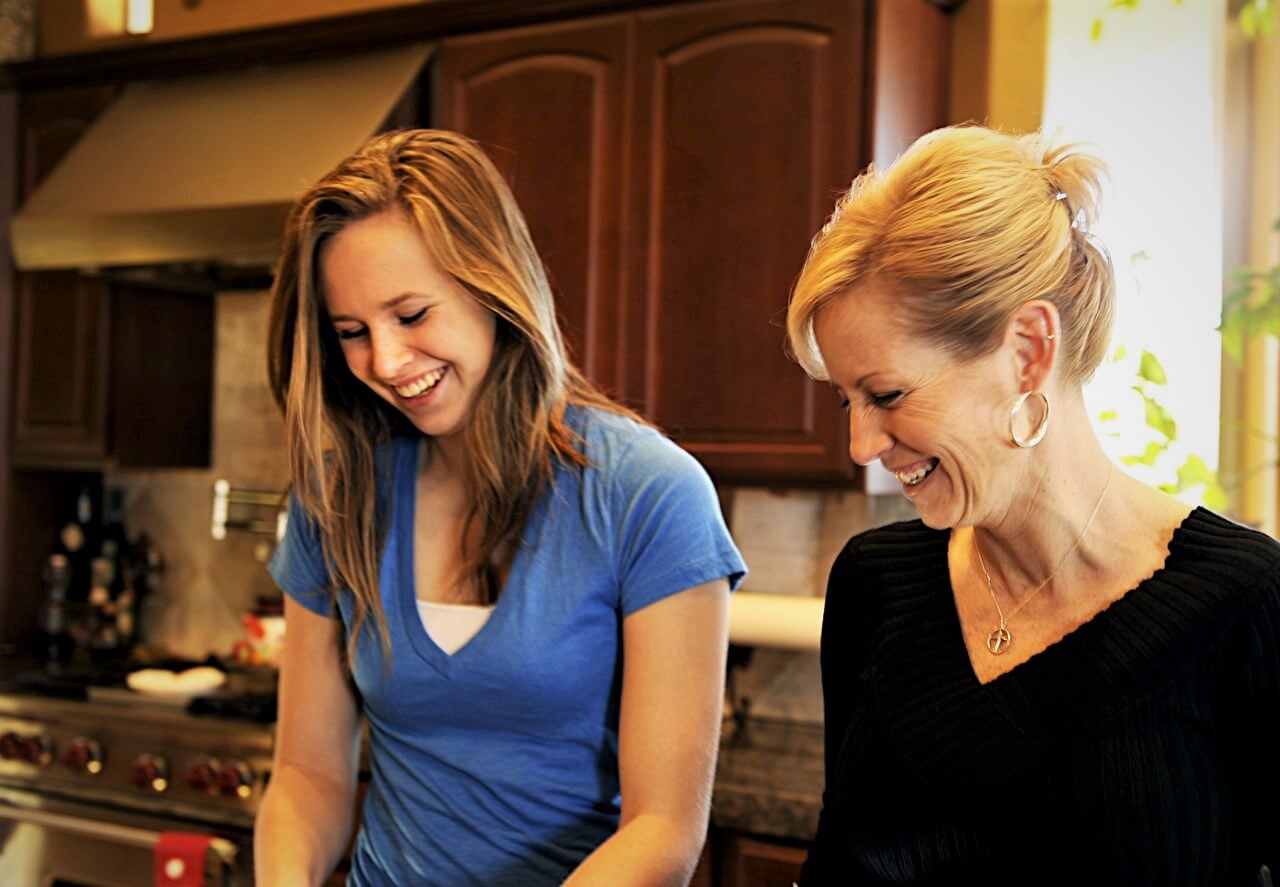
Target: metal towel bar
[(225, 496)]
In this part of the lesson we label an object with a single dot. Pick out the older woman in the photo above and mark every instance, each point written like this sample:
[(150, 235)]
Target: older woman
[(1057, 674)]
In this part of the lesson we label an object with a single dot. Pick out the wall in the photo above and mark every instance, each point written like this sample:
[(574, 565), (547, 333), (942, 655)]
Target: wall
[(1160, 134), (998, 63)]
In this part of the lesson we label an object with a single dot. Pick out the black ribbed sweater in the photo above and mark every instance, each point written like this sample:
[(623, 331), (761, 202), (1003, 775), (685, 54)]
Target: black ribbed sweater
[(1141, 749)]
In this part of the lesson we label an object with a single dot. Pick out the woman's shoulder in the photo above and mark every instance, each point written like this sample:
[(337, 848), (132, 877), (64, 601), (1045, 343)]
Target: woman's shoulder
[(905, 554), (1232, 556), (1236, 570), (613, 442), (902, 541), (598, 423), (1220, 576)]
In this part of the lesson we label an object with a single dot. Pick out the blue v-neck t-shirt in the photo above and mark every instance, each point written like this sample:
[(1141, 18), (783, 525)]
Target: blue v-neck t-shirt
[(498, 765)]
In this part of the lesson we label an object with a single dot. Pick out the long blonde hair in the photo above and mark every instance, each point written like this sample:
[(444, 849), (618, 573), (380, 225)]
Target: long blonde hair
[(334, 423), (969, 224)]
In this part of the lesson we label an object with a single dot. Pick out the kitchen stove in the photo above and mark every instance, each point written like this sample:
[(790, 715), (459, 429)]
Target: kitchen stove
[(115, 772)]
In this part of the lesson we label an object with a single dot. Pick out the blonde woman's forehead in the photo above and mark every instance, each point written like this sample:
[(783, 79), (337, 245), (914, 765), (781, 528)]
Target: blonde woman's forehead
[(860, 332), (375, 262)]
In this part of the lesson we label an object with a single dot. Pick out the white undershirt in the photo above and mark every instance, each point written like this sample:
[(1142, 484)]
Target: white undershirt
[(452, 625)]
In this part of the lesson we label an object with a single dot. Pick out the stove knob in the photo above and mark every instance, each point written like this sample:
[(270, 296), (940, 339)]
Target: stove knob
[(203, 774), (235, 779), (84, 754), (11, 746), (150, 772), (37, 750)]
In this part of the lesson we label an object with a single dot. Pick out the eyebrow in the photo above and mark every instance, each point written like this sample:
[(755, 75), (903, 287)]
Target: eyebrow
[(393, 302)]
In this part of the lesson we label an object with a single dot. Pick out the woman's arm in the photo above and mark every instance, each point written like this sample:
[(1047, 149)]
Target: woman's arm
[(672, 701), (305, 820)]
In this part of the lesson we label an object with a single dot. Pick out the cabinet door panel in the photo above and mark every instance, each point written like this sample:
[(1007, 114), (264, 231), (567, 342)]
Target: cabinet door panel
[(162, 357), (748, 123), (546, 103), (61, 378)]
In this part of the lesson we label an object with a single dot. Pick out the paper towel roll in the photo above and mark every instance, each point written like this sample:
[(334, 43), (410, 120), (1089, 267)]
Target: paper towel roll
[(792, 622)]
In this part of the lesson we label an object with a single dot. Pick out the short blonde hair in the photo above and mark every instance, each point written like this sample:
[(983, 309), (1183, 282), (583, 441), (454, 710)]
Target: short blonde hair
[(968, 225)]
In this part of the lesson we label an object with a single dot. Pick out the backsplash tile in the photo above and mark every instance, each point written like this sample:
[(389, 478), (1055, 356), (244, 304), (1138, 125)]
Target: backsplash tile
[(778, 534)]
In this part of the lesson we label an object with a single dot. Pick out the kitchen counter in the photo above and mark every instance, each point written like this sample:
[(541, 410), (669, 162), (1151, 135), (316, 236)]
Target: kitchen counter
[(769, 779)]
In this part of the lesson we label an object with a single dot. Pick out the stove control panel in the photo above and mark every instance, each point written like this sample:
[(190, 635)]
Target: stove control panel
[(236, 779), (154, 760), (202, 775), (230, 778), (32, 748), (84, 755), (150, 773)]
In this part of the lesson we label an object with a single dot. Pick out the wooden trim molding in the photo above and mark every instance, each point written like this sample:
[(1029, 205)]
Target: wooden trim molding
[(8, 198), (292, 42)]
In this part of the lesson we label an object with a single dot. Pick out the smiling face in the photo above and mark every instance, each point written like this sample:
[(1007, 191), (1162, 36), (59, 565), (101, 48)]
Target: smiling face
[(932, 420), (408, 329)]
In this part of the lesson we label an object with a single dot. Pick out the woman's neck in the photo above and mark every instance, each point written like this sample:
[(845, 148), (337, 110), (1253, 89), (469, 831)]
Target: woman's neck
[(444, 459), (1061, 507)]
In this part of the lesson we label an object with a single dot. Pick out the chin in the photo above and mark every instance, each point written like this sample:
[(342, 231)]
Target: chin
[(438, 429), (941, 516), (936, 521)]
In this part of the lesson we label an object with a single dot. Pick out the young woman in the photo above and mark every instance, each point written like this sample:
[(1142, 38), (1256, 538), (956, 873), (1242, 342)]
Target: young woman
[(521, 587)]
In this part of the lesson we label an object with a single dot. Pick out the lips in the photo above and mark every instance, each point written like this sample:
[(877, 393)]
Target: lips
[(915, 473), (421, 385)]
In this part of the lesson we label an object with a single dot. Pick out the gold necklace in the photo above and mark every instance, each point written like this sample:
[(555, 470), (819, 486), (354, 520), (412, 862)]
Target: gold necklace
[(1000, 638)]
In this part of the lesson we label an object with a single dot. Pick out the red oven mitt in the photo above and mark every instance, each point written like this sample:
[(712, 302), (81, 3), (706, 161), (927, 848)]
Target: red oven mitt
[(181, 858)]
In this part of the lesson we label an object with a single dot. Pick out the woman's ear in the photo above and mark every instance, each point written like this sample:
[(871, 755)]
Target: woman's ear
[(1033, 333)]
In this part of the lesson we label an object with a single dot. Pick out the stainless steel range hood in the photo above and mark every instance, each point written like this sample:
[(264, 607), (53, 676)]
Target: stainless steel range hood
[(202, 170)]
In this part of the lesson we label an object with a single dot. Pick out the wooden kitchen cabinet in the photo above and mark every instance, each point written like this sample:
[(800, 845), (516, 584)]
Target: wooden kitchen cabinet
[(748, 119), (103, 373), (674, 165), (60, 375), (548, 105)]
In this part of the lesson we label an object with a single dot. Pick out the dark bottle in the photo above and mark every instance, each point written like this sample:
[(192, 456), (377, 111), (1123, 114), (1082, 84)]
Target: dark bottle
[(54, 644), (104, 637), (123, 570)]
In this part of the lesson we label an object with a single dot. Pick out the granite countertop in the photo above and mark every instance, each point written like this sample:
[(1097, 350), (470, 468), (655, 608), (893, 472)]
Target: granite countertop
[(769, 779)]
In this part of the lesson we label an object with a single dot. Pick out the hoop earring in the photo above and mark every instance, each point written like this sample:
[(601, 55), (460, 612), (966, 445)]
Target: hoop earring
[(1037, 433)]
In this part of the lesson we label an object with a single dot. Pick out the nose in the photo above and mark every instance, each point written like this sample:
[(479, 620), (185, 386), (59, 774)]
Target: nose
[(868, 438), (389, 355)]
